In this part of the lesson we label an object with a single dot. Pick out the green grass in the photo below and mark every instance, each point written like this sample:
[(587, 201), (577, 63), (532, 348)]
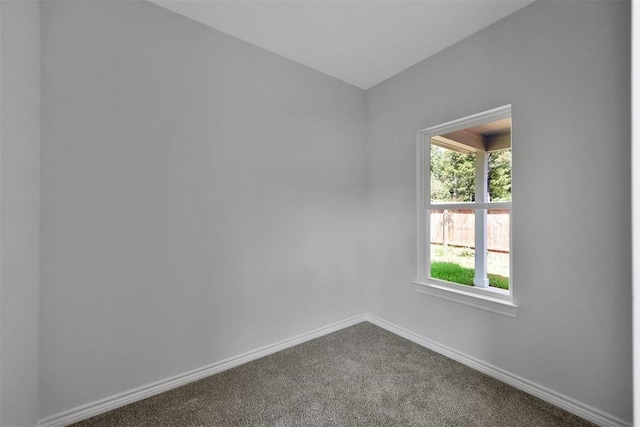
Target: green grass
[(452, 272)]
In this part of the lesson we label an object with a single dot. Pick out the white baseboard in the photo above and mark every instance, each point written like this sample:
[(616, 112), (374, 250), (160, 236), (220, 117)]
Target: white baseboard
[(585, 411), (95, 408)]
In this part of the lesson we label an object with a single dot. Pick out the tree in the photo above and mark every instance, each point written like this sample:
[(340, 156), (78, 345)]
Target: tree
[(500, 175), (452, 175)]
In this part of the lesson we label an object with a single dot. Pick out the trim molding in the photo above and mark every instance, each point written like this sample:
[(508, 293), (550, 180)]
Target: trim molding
[(485, 301), (585, 411), (103, 405)]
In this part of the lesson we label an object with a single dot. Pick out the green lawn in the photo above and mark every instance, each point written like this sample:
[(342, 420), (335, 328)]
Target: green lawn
[(454, 273)]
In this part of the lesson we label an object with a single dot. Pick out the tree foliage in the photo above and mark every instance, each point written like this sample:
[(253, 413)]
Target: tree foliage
[(453, 175), (500, 175)]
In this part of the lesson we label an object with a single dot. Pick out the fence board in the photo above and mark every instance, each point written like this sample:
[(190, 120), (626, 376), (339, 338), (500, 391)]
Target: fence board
[(457, 228)]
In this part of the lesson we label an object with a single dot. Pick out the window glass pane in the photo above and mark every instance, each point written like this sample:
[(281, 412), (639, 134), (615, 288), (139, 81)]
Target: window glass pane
[(457, 158), (498, 247), (499, 176), (453, 246), (452, 175)]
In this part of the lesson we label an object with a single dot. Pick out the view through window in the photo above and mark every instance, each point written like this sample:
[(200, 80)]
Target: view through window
[(469, 205)]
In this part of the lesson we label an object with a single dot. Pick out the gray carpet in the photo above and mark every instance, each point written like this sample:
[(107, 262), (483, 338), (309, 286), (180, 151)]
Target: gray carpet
[(362, 375)]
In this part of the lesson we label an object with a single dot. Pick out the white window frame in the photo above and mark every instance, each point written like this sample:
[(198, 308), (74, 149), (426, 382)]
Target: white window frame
[(496, 300)]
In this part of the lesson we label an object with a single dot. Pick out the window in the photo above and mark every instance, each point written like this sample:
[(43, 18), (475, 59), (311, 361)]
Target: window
[(464, 211)]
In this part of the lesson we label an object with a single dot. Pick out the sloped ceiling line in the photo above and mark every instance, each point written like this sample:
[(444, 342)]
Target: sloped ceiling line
[(359, 42)]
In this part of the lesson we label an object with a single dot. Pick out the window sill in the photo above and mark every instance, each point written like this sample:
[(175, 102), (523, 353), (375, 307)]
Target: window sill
[(483, 300)]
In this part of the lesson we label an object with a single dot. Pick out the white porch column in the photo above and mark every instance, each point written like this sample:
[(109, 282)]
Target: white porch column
[(482, 195)]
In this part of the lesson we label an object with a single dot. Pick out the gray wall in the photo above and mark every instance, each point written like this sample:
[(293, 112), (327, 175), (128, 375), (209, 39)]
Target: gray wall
[(564, 67), (201, 198), (20, 210)]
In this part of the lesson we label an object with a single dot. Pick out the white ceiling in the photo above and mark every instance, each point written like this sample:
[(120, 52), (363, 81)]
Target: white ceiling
[(361, 42)]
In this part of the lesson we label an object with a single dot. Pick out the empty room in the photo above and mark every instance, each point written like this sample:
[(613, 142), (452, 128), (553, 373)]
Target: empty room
[(339, 213)]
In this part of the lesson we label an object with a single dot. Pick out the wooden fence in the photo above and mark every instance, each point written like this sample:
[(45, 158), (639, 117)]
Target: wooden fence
[(457, 228)]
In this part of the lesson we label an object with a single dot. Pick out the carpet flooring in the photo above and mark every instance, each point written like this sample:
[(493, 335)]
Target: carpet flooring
[(359, 376)]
